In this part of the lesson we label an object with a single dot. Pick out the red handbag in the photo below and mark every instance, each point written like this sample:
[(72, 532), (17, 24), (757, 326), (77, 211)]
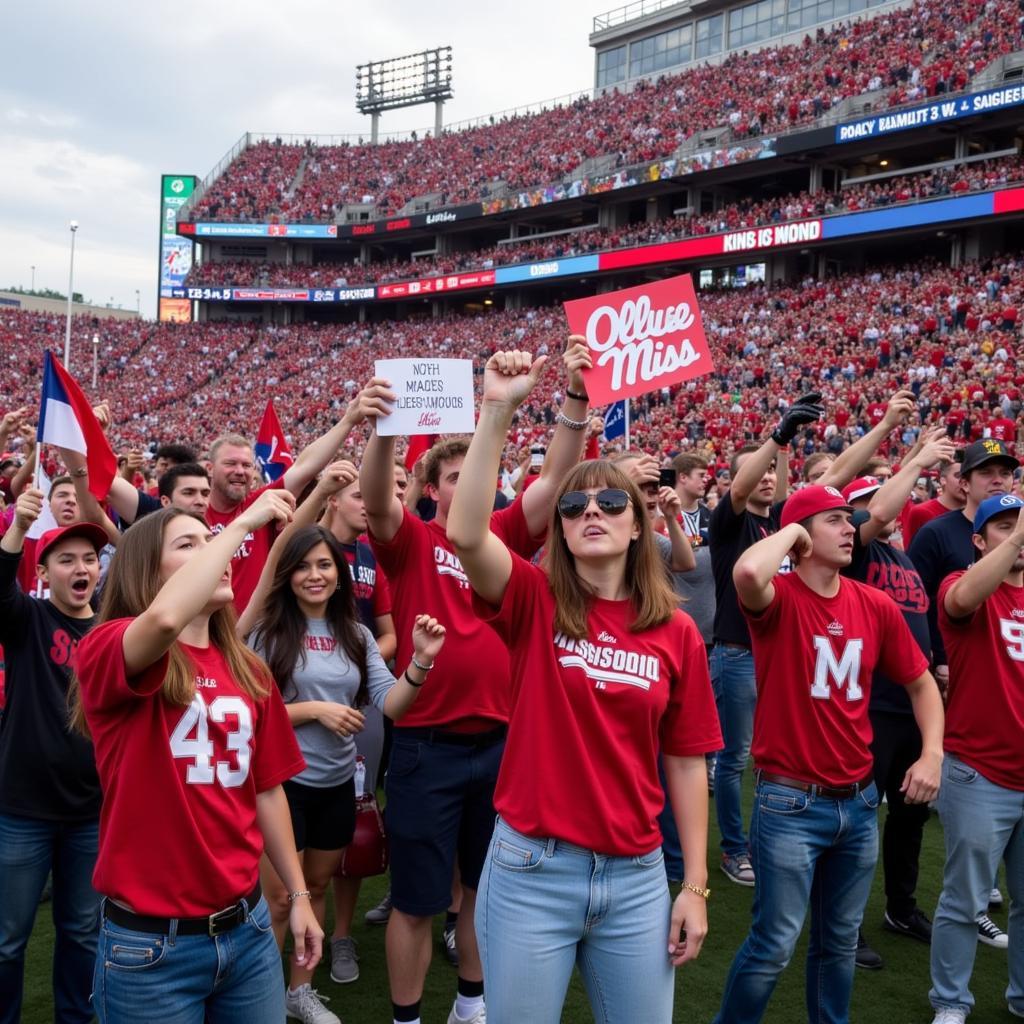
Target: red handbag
[(367, 854)]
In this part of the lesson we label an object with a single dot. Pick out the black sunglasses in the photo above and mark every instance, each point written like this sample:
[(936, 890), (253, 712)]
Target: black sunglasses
[(613, 501)]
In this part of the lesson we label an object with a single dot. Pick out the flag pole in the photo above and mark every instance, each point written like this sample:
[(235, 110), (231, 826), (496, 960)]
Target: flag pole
[(626, 414)]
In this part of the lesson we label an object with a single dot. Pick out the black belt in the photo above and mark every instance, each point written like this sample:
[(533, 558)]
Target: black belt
[(829, 792), (459, 739), (214, 924)]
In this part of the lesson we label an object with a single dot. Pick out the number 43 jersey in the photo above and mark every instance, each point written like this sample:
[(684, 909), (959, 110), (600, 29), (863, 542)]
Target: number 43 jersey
[(985, 714), (178, 829), (814, 657)]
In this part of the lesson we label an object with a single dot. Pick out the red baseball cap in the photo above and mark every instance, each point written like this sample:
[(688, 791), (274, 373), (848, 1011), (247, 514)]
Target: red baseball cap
[(861, 487), (809, 501), (90, 531)]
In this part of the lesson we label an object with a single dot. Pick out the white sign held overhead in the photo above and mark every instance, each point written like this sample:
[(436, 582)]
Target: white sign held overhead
[(435, 396)]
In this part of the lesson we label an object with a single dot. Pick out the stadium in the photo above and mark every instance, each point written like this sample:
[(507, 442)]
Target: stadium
[(843, 180)]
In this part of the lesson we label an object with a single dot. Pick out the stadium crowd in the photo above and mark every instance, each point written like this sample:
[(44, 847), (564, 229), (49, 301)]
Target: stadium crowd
[(862, 389), (746, 213), (914, 53)]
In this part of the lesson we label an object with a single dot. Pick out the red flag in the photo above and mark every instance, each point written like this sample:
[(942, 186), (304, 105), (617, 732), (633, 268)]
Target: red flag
[(418, 444), (66, 420)]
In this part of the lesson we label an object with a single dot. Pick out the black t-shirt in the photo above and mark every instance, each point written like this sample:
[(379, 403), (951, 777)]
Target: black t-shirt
[(890, 570), (730, 534), (47, 771), (940, 547), (147, 504)]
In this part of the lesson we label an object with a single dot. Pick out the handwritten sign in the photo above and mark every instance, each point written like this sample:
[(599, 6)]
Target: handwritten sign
[(435, 396), (641, 339)]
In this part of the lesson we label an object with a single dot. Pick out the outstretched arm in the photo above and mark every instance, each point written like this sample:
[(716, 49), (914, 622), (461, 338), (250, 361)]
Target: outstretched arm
[(384, 510), (317, 454), (185, 594), (982, 579), (509, 377)]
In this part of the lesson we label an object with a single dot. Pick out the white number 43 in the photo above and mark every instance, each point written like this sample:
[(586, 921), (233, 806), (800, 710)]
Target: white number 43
[(191, 740)]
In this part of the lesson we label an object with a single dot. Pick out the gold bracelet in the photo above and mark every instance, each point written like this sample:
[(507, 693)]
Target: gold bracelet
[(697, 889)]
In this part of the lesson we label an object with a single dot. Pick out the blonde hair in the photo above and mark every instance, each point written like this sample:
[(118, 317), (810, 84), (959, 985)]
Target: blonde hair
[(652, 598), (132, 584)]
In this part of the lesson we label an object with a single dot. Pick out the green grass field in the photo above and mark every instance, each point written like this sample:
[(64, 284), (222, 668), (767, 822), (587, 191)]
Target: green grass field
[(898, 994)]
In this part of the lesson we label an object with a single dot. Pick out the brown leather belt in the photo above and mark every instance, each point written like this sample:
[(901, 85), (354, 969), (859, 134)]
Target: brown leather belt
[(829, 792)]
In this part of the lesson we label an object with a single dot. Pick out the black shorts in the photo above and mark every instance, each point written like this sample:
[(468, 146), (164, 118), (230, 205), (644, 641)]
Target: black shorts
[(323, 818)]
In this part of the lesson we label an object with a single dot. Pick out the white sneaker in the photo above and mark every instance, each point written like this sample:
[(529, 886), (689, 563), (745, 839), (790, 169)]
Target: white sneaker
[(991, 934), (307, 1005), (480, 1017), (995, 899), (949, 1015)]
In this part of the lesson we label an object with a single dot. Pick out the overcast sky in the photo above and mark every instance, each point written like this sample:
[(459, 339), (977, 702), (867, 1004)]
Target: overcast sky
[(97, 100)]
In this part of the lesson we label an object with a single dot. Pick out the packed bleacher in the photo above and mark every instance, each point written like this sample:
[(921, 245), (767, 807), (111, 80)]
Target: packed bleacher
[(953, 334), (746, 213), (910, 54)]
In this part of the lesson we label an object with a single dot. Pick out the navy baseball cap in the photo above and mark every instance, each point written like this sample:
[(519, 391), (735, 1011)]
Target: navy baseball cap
[(994, 506)]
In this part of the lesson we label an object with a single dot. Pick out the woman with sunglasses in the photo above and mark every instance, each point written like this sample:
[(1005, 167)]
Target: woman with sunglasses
[(605, 672), (192, 745)]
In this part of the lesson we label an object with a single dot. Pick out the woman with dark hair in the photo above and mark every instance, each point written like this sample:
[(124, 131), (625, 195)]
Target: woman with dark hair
[(327, 666), (192, 744), (606, 671)]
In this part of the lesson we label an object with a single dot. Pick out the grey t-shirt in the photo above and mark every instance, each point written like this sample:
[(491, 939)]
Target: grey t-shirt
[(696, 588), (328, 675)]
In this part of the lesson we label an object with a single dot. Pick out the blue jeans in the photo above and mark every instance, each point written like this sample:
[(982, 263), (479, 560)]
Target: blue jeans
[(544, 905), (670, 844), (806, 851), (29, 850), (732, 677), (982, 823), (234, 978)]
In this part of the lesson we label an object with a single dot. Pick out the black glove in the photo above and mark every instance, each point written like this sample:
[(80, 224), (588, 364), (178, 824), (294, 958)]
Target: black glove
[(806, 409)]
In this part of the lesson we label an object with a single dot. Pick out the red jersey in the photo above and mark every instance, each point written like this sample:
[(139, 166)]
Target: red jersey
[(468, 687), (814, 657), (985, 712), (178, 831), (251, 555), (919, 515), (589, 717)]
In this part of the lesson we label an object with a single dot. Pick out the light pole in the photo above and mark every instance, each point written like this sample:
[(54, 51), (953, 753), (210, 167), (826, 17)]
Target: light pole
[(33, 278), (95, 360), (138, 303), (71, 284)]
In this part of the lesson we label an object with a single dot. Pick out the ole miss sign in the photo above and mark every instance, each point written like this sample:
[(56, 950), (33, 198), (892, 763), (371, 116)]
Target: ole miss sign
[(641, 339)]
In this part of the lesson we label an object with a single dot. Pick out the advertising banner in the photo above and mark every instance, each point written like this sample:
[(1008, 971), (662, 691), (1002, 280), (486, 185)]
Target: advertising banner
[(641, 338), (175, 251)]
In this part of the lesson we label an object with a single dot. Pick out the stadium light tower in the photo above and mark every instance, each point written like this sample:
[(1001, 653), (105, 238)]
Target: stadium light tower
[(73, 226), (424, 77)]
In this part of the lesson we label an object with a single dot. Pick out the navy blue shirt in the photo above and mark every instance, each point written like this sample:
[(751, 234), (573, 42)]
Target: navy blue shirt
[(890, 570), (940, 547)]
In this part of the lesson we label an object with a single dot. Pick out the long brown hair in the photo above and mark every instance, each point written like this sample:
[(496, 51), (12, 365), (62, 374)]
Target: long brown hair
[(132, 584), (282, 630), (653, 599)]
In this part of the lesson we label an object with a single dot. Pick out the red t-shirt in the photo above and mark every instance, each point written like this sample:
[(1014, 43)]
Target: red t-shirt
[(589, 717), (178, 831), (985, 712), (251, 555), (468, 687), (814, 657)]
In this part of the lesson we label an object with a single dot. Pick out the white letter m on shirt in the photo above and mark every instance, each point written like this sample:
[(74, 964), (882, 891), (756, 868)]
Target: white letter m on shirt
[(845, 672)]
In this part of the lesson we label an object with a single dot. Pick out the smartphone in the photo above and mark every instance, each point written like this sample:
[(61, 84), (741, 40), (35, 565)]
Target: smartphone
[(536, 458), (667, 478)]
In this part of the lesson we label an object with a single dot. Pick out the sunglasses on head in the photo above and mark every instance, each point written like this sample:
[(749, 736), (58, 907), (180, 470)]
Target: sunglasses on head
[(613, 501)]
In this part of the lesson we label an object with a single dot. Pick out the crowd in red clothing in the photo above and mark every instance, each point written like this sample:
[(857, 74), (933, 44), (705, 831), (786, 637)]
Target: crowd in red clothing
[(951, 334), (925, 50), (746, 213)]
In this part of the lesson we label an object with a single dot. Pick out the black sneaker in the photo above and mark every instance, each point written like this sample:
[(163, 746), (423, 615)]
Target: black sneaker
[(915, 925), (867, 959)]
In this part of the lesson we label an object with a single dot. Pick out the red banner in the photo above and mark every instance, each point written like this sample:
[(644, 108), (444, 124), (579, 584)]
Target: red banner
[(641, 339)]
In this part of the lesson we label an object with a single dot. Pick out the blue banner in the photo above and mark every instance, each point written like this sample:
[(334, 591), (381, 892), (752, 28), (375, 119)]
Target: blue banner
[(615, 420), (267, 230), (931, 113), (912, 215), (546, 268)]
